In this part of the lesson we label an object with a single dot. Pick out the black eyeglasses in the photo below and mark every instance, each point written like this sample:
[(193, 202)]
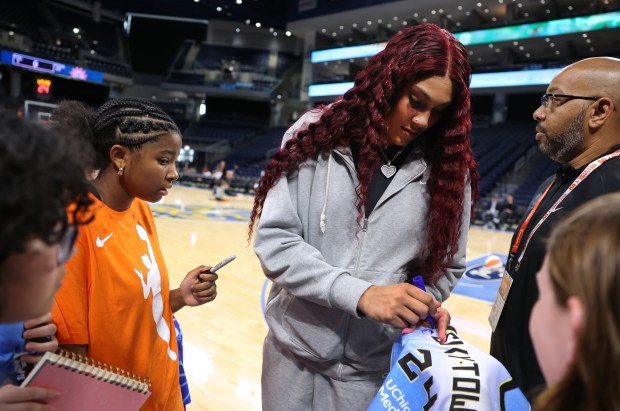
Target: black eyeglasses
[(65, 246), (544, 100)]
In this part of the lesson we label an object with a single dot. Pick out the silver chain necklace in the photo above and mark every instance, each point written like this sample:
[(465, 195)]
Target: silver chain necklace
[(388, 169)]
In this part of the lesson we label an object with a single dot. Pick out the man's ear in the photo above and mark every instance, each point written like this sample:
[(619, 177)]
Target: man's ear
[(576, 317), (603, 109)]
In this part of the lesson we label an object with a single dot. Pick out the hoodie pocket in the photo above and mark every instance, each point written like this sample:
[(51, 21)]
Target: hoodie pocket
[(369, 342), (315, 331)]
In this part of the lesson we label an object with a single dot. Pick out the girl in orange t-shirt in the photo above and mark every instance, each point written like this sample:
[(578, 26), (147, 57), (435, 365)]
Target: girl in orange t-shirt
[(115, 305)]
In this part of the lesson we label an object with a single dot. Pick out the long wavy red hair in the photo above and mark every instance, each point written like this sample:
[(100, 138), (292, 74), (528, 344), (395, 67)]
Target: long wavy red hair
[(413, 55)]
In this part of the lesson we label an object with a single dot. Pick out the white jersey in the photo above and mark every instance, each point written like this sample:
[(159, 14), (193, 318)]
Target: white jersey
[(427, 375)]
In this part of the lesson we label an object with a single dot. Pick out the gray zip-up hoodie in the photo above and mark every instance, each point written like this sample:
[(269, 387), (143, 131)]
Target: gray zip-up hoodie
[(321, 261)]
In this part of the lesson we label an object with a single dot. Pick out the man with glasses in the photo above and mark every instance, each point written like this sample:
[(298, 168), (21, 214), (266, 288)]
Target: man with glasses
[(42, 174), (578, 125)]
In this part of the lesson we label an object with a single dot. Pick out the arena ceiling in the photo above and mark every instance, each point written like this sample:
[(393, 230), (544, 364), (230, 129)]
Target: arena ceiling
[(363, 24)]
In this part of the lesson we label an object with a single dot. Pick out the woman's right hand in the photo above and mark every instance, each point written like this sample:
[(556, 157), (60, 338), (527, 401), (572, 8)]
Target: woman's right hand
[(13, 398), (399, 305)]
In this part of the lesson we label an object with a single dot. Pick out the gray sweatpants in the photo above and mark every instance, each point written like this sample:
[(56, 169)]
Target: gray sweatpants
[(287, 385)]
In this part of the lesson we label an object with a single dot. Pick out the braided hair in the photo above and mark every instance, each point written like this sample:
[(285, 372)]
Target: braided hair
[(130, 122), (415, 54), (127, 121)]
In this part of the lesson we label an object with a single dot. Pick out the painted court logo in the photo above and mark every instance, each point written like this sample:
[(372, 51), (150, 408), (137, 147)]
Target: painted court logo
[(491, 269)]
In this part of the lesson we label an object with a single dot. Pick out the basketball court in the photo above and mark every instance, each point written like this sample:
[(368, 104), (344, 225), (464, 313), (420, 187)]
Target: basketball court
[(223, 339)]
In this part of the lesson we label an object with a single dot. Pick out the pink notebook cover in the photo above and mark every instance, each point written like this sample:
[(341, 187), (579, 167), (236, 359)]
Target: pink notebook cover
[(80, 391)]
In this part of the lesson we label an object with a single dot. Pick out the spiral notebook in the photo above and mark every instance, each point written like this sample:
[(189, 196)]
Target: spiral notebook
[(87, 384)]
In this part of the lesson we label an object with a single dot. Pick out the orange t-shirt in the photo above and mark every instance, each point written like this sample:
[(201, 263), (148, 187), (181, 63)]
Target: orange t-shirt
[(115, 298)]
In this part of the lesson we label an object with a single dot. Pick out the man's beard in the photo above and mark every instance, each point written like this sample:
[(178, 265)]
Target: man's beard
[(566, 145)]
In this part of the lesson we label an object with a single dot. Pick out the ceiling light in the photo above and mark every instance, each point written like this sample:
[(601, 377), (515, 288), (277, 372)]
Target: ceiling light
[(239, 1), (258, 24), (237, 29), (218, 8), (288, 33), (76, 30)]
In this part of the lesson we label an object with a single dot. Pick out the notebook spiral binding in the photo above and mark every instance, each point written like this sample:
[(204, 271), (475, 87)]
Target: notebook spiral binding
[(105, 372)]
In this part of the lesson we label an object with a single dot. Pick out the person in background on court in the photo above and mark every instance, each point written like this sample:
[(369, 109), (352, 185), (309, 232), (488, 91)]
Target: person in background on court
[(575, 324), (491, 211), (578, 125), (363, 195), (507, 212), (118, 261), (41, 173)]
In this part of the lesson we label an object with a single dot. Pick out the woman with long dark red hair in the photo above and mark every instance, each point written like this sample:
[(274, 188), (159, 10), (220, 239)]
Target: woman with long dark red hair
[(365, 194)]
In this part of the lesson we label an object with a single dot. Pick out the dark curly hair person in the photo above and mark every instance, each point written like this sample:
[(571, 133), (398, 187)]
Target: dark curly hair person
[(365, 194), (42, 175), (118, 262)]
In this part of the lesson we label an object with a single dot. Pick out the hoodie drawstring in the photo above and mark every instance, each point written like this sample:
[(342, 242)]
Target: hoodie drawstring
[(322, 225)]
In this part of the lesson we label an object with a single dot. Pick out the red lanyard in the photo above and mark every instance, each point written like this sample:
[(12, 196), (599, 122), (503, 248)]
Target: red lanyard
[(584, 174)]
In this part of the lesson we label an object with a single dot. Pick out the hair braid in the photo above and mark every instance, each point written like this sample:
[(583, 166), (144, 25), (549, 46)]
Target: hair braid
[(130, 122)]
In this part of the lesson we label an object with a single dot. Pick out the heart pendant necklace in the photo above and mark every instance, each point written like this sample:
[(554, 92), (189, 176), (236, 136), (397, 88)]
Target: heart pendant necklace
[(388, 169)]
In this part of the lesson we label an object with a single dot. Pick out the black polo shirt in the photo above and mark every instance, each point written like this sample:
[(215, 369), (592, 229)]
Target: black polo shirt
[(511, 342)]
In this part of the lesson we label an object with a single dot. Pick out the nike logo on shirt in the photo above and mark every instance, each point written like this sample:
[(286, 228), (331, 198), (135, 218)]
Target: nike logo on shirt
[(100, 243)]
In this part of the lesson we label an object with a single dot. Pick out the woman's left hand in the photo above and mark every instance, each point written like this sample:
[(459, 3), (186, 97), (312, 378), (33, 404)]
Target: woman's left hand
[(41, 328), (198, 287), (442, 321)]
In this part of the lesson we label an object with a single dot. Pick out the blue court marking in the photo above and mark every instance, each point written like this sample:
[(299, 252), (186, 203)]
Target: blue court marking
[(190, 212), (479, 281)]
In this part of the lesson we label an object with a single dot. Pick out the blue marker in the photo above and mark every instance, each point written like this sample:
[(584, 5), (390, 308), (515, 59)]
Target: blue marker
[(419, 282)]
